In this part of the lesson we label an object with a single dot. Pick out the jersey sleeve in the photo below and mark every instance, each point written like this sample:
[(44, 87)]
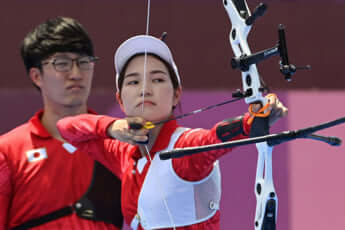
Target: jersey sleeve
[(197, 166), (88, 133), (5, 190)]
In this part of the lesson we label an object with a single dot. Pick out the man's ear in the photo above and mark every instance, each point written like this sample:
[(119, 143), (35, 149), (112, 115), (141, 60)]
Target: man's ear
[(118, 99), (177, 95), (35, 75)]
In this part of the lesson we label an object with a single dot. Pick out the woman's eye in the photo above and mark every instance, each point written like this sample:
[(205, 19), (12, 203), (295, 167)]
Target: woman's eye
[(158, 80), (133, 82)]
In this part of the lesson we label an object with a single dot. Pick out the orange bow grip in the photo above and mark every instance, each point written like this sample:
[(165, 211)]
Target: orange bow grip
[(261, 112)]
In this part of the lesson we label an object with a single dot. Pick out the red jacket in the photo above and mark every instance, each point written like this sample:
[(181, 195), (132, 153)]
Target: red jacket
[(38, 175), (88, 132)]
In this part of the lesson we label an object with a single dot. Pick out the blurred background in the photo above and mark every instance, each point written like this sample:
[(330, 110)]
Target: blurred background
[(309, 176)]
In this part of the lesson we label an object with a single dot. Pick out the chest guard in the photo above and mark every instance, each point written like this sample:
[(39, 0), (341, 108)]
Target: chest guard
[(187, 202)]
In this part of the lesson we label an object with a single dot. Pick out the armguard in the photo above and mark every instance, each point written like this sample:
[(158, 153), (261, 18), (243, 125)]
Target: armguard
[(230, 128)]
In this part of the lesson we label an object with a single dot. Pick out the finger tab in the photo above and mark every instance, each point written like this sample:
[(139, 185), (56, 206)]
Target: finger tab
[(135, 126)]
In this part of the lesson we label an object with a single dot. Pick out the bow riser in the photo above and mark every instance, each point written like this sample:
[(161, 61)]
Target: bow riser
[(238, 40)]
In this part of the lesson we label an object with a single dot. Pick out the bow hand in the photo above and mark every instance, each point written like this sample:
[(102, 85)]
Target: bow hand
[(130, 130), (274, 109)]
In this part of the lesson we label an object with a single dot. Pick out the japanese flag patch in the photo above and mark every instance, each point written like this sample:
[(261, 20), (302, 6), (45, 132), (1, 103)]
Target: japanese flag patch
[(36, 154)]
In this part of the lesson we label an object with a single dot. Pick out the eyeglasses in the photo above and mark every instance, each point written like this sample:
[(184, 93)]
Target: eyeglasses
[(65, 64)]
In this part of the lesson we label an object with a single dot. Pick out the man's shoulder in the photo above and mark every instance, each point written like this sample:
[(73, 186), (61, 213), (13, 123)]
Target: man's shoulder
[(16, 132), (13, 136)]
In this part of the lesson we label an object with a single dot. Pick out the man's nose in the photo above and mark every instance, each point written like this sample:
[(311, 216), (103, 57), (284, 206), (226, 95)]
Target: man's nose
[(75, 71)]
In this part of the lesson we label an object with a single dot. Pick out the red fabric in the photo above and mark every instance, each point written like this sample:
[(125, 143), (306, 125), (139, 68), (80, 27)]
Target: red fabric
[(88, 132), (31, 189)]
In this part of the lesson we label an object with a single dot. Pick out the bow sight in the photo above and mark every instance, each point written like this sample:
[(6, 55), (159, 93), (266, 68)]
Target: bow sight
[(243, 62), (246, 59)]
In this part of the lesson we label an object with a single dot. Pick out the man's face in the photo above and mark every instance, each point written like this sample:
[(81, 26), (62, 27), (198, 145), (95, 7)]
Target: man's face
[(69, 88)]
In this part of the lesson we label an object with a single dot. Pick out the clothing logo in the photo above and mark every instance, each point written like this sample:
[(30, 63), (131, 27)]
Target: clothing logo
[(69, 148), (36, 154)]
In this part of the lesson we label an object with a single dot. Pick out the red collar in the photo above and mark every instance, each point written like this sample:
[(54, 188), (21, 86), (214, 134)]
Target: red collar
[(164, 136), (36, 127)]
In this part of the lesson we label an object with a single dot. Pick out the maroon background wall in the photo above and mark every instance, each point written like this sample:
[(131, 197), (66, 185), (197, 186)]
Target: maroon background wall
[(198, 35)]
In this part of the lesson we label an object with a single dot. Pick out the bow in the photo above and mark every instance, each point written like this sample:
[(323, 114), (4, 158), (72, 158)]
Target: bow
[(242, 20), (253, 89)]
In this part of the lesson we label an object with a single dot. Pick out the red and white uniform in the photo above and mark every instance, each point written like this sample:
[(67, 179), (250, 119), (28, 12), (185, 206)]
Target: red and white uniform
[(89, 133), (40, 174)]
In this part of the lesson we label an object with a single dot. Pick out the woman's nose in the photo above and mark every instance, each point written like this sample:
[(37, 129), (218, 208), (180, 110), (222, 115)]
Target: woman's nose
[(146, 89)]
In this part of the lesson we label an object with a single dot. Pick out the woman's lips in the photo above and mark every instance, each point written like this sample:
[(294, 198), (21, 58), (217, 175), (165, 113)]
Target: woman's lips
[(146, 103), (75, 87)]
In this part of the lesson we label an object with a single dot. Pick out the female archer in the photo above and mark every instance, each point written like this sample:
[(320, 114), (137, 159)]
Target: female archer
[(180, 193)]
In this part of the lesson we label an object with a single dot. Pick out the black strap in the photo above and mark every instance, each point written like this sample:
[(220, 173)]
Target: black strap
[(102, 202), (46, 218)]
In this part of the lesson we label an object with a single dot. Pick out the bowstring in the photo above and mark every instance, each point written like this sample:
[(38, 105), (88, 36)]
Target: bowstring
[(145, 55), (142, 109)]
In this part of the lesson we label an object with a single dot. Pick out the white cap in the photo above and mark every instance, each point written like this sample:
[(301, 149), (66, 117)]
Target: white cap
[(142, 44)]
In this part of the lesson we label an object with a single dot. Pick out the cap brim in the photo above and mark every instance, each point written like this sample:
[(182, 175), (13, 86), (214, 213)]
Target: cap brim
[(141, 44)]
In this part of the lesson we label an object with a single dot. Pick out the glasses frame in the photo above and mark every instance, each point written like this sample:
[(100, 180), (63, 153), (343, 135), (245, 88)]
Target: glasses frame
[(93, 59)]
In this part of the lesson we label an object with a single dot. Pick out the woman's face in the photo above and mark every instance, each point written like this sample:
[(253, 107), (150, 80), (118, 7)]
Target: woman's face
[(152, 96)]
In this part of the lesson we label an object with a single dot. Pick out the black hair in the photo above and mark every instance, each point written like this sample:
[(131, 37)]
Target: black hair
[(60, 34)]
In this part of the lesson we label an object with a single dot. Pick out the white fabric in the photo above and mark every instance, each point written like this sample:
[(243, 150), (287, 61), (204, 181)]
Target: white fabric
[(135, 222), (187, 202), (141, 164)]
